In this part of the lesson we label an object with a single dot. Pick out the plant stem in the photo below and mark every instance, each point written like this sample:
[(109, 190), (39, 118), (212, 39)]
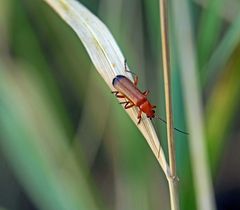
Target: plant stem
[(168, 103)]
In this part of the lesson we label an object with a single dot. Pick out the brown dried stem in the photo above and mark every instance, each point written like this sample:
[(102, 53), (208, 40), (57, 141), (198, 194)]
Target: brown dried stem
[(168, 103)]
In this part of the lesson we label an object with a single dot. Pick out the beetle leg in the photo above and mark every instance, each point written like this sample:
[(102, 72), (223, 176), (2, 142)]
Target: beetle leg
[(128, 105), (125, 64), (135, 76), (139, 116), (114, 92), (118, 95), (123, 102), (146, 92)]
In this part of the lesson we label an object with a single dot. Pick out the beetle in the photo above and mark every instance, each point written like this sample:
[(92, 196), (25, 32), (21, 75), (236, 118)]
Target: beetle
[(127, 89)]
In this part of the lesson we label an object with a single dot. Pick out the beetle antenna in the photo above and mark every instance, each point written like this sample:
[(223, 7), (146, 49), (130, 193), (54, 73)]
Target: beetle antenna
[(173, 128), (126, 69)]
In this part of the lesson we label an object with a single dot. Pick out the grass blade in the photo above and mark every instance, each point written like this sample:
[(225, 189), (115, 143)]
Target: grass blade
[(209, 30), (223, 52), (107, 58), (37, 145), (188, 65)]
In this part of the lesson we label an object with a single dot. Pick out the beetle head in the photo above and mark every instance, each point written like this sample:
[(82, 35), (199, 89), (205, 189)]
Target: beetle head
[(148, 109)]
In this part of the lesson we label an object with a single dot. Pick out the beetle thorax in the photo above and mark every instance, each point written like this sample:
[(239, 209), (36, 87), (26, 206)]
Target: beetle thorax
[(147, 108)]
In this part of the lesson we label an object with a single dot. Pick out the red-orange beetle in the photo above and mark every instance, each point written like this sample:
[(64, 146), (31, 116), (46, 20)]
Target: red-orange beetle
[(127, 89)]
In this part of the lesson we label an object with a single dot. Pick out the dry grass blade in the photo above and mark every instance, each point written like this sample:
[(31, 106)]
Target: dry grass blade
[(167, 87), (107, 58)]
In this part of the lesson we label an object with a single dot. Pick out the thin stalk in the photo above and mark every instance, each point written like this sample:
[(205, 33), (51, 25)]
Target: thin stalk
[(168, 103)]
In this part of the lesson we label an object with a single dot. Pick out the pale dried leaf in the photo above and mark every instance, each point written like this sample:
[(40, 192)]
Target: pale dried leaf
[(107, 58)]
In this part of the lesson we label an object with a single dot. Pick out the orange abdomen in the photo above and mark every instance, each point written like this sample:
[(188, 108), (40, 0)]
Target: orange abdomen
[(126, 87)]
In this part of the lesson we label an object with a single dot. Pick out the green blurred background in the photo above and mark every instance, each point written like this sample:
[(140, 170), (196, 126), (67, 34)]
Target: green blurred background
[(65, 142)]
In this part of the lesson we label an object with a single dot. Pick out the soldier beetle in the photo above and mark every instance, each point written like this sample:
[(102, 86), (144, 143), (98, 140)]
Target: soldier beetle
[(128, 90)]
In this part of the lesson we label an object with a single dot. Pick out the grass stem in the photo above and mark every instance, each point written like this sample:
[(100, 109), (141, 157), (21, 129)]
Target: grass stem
[(168, 103)]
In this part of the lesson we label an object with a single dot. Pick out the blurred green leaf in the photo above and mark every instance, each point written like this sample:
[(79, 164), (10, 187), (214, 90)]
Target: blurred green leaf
[(223, 52), (27, 47), (37, 146), (209, 30), (221, 108)]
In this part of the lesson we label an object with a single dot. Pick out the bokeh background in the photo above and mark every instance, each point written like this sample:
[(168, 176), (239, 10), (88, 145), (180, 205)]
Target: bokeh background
[(65, 142)]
